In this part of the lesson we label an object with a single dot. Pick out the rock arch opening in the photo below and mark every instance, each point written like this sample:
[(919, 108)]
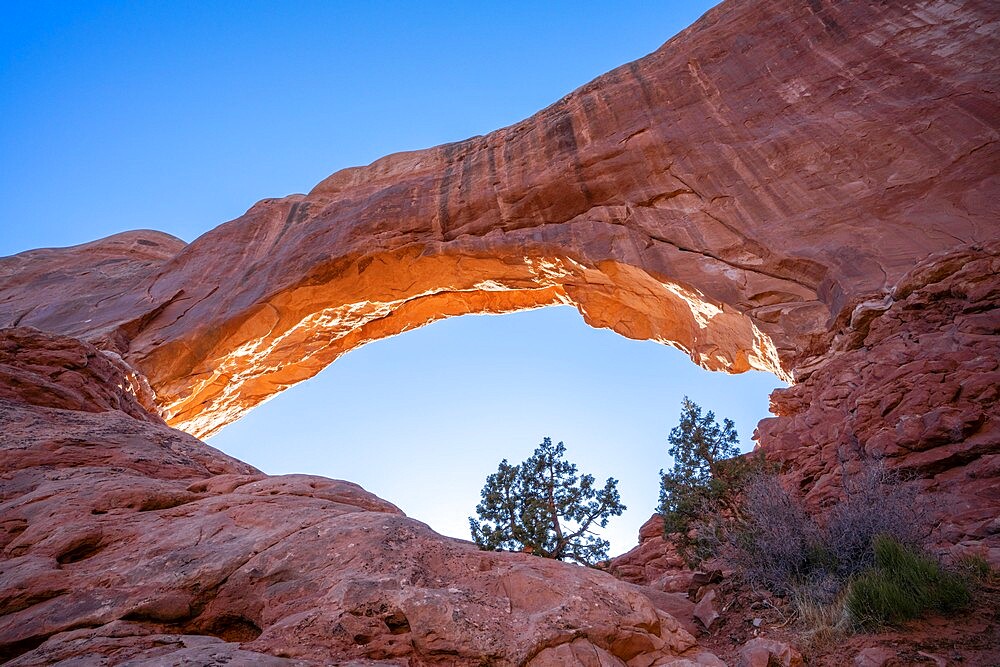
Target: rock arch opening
[(751, 220), (292, 335), (777, 222), (423, 418)]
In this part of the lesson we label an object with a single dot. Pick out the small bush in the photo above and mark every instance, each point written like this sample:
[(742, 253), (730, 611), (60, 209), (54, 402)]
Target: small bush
[(876, 502), (863, 569), (902, 584), (773, 542)]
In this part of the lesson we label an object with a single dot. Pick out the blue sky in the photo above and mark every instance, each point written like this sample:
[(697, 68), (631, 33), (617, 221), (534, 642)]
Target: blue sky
[(178, 116)]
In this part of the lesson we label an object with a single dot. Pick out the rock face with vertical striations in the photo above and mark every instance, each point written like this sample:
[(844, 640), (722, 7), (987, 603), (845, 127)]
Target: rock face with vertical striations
[(808, 188)]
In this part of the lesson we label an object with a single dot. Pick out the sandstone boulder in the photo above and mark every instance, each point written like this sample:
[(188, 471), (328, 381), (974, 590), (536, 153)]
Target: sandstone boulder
[(706, 611)]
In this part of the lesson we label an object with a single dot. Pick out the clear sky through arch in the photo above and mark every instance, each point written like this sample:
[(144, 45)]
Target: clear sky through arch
[(178, 116), (422, 418)]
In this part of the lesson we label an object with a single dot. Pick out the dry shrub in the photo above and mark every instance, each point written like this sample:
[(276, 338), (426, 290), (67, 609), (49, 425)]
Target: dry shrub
[(865, 567), (977, 569), (825, 624), (775, 543), (877, 501)]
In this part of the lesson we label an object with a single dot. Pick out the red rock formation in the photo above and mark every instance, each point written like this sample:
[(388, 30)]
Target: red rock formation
[(762, 652), (654, 562), (913, 380), (124, 538), (55, 371), (757, 193), (730, 194)]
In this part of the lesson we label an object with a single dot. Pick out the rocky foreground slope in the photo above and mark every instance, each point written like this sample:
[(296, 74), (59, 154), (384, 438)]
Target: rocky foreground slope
[(809, 188), (127, 539)]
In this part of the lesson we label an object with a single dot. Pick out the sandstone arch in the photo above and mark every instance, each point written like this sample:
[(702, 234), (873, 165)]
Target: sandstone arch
[(805, 187), (294, 334), (737, 202)]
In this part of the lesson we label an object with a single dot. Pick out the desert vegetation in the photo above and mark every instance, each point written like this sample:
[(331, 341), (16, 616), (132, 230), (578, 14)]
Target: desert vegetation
[(705, 481), (856, 565), (901, 584), (545, 507), (862, 567)]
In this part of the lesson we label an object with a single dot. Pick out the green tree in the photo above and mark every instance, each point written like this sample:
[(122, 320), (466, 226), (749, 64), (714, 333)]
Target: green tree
[(702, 476), (543, 506)]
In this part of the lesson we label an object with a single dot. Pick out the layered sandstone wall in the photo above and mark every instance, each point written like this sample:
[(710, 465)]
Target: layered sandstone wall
[(914, 382)]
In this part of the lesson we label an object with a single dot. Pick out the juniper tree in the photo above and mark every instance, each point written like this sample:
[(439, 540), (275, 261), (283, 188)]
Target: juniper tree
[(702, 475), (544, 506)]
